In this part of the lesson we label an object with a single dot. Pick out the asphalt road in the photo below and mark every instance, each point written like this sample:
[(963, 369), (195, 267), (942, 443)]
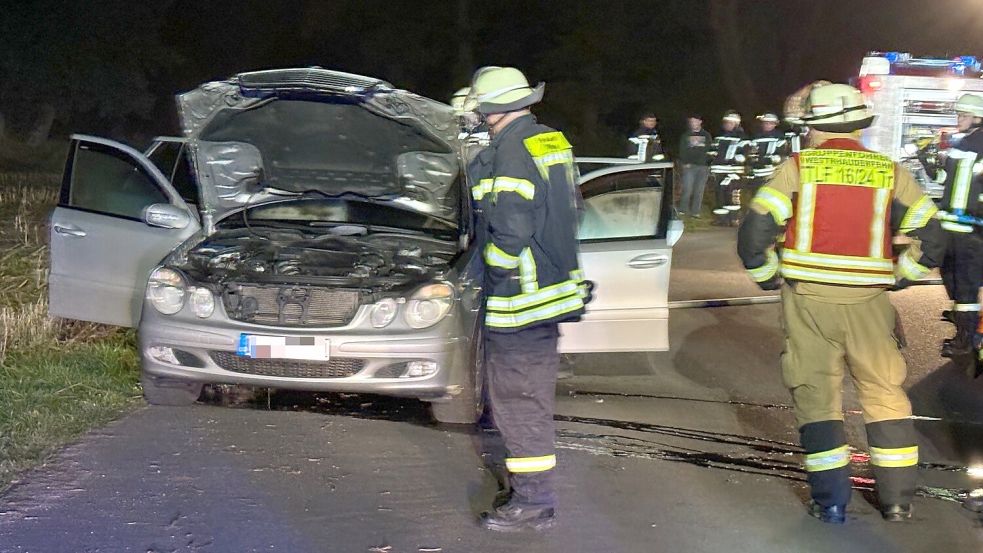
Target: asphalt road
[(691, 450)]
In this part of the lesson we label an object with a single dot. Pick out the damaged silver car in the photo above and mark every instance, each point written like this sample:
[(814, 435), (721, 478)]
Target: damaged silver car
[(311, 231)]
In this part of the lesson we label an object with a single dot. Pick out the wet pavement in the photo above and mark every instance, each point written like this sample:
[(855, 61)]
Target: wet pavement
[(690, 450)]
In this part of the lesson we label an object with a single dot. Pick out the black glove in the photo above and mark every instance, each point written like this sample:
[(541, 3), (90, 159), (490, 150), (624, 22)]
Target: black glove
[(590, 291), (901, 284), (773, 283)]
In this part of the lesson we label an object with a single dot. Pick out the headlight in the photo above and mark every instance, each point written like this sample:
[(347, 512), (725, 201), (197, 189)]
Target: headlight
[(428, 305), (383, 312), (166, 290), (202, 302)]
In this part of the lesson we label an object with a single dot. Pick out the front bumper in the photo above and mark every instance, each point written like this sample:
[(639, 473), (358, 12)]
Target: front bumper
[(361, 360)]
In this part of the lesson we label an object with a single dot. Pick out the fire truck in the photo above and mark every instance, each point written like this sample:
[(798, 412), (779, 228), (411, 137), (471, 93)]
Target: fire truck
[(913, 99)]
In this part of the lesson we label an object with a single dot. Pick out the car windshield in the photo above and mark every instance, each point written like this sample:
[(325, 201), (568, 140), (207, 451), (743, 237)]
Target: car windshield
[(374, 215)]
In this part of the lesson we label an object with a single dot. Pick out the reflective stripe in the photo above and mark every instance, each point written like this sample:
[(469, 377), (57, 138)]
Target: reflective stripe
[(775, 202), (882, 197), (837, 261), (918, 215), (965, 307), (525, 301), (894, 458), (496, 257), (828, 460), (766, 271), (956, 227), (548, 311), (964, 176), (910, 269), (527, 271), (479, 190), (804, 215), (835, 277), (521, 187), (530, 464)]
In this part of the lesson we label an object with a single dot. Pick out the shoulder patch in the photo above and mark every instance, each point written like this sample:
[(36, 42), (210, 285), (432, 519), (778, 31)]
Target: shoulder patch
[(547, 143)]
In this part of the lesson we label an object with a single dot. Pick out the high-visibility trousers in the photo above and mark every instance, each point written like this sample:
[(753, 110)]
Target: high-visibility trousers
[(824, 340), (522, 369)]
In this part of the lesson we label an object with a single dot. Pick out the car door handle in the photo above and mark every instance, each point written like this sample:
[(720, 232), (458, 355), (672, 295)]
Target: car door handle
[(69, 231), (648, 261)]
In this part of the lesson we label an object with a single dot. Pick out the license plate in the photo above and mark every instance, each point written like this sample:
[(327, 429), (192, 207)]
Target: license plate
[(311, 348)]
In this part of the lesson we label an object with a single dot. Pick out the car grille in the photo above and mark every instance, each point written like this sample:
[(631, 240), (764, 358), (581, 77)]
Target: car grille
[(288, 368), (293, 305)]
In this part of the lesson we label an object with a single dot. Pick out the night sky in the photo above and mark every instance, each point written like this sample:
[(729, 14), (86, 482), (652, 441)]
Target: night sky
[(112, 67)]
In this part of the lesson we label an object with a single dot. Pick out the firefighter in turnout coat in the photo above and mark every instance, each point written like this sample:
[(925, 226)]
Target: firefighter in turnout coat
[(524, 184), (839, 206)]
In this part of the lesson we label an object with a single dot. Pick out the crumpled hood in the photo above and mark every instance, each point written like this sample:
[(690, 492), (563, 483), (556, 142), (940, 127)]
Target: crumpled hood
[(260, 136)]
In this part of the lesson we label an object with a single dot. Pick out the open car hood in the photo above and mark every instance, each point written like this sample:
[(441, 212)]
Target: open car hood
[(265, 135)]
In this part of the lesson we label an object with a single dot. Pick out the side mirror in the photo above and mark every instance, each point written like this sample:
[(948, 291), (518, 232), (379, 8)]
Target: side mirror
[(166, 216), (674, 232)]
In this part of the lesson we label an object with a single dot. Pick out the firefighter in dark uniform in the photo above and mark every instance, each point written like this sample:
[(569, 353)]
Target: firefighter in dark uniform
[(838, 206), (727, 167), (766, 149), (524, 183), (962, 270)]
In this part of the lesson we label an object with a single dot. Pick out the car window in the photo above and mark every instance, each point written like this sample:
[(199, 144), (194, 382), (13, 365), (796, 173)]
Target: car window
[(622, 205), (107, 181), (171, 158)]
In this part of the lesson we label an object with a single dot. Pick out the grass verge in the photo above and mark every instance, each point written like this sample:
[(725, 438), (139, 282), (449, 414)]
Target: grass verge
[(58, 378)]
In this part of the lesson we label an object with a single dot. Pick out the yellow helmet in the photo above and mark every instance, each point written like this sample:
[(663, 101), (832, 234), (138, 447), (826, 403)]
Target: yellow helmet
[(503, 89), (837, 108), (970, 103), (458, 100)]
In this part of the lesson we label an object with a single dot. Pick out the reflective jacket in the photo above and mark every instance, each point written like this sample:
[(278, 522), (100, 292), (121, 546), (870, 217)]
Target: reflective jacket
[(726, 146), (964, 180), (765, 151), (839, 204), (523, 184)]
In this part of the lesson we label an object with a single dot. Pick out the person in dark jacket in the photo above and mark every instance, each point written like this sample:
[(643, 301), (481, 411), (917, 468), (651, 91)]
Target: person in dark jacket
[(525, 186), (694, 146), (646, 142)]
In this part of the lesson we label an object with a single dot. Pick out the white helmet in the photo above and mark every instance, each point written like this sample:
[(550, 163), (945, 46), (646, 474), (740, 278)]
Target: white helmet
[(837, 108), (970, 103)]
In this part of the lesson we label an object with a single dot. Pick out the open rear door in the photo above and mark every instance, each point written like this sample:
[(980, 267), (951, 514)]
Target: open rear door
[(624, 250)]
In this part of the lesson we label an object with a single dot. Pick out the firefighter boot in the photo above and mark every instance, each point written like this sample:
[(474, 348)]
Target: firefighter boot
[(828, 469), (515, 517), (894, 458)]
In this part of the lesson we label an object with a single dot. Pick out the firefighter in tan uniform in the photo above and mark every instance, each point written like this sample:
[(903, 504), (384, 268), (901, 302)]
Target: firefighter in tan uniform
[(839, 206)]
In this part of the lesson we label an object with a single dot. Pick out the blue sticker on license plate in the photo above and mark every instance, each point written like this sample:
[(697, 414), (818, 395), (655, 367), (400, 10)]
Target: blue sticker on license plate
[(257, 346)]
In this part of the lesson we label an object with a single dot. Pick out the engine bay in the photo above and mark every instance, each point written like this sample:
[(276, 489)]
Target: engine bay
[(375, 262)]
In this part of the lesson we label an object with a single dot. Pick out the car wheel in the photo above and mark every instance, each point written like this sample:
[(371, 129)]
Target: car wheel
[(467, 406), (169, 391)]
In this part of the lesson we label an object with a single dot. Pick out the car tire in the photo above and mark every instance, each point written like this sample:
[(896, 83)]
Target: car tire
[(466, 407), (169, 391)]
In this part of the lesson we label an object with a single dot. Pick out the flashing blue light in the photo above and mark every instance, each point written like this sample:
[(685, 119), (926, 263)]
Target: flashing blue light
[(892, 57)]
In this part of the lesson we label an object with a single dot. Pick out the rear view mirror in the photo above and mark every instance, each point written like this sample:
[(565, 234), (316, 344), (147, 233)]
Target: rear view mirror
[(166, 216)]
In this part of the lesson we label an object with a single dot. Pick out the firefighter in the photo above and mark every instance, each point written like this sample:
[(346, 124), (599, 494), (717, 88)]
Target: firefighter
[(728, 167), (524, 183), (766, 149), (838, 205), (962, 270), (645, 144)]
